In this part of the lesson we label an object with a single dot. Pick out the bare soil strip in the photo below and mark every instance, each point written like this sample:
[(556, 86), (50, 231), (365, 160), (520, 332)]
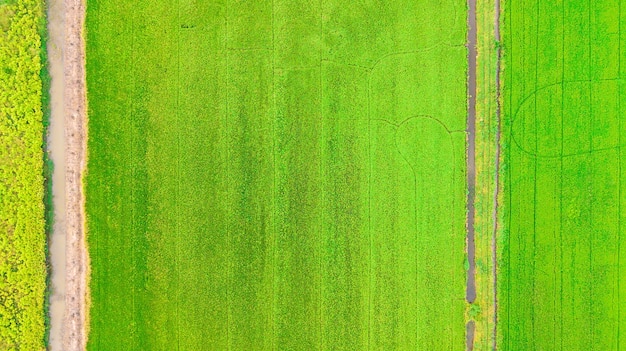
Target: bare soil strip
[(472, 39), (75, 337), (471, 149), (56, 149), (470, 328)]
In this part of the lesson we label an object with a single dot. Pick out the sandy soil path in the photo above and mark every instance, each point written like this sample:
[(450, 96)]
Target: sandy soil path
[(75, 334), (56, 150)]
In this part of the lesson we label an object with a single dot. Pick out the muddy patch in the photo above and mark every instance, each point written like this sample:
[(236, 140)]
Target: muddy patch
[(470, 328)]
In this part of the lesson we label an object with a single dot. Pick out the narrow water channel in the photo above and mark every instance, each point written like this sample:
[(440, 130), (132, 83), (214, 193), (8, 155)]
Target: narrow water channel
[(56, 150)]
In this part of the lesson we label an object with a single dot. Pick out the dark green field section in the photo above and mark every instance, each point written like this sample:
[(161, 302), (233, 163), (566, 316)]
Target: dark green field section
[(562, 252), (277, 175)]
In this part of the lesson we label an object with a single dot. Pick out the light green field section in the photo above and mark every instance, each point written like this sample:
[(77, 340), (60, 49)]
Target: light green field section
[(564, 98), (483, 309), (22, 211), (284, 175)]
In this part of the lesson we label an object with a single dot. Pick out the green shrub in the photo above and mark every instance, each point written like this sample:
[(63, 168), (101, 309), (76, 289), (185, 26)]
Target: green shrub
[(22, 210)]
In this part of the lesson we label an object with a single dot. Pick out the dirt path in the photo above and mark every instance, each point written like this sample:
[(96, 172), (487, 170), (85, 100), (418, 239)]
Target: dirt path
[(56, 150), (75, 333)]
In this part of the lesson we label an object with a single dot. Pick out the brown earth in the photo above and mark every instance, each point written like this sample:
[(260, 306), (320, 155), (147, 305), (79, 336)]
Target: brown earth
[(55, 145), (77, 261)]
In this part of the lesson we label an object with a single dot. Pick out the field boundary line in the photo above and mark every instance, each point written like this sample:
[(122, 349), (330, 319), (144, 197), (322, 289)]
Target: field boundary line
[(131, 122), (561, 178), (619, 161), (227, 178), (177, 121), (472, 42), (274, 237), (323, 188), (77, 260), (591, 236), (496, 192), (534, 239), (370, 238), (470, 169)]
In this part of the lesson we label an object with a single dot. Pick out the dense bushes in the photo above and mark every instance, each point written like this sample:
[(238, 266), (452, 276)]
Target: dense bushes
[(22, 224)]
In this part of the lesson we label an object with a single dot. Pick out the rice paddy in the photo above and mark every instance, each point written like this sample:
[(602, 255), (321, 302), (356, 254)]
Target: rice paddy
[(560, 269), (276, 175), (325, 175)]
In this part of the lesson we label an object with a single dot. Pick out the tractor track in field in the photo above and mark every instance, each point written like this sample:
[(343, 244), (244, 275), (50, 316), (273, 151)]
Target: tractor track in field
[(77, 264)]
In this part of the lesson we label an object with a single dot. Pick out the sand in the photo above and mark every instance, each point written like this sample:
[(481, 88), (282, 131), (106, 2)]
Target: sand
[(55, 144), (77, 262)]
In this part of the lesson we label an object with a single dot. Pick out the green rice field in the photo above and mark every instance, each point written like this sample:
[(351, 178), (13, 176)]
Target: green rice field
[(283, 174), (561, 254), (293, 175)]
